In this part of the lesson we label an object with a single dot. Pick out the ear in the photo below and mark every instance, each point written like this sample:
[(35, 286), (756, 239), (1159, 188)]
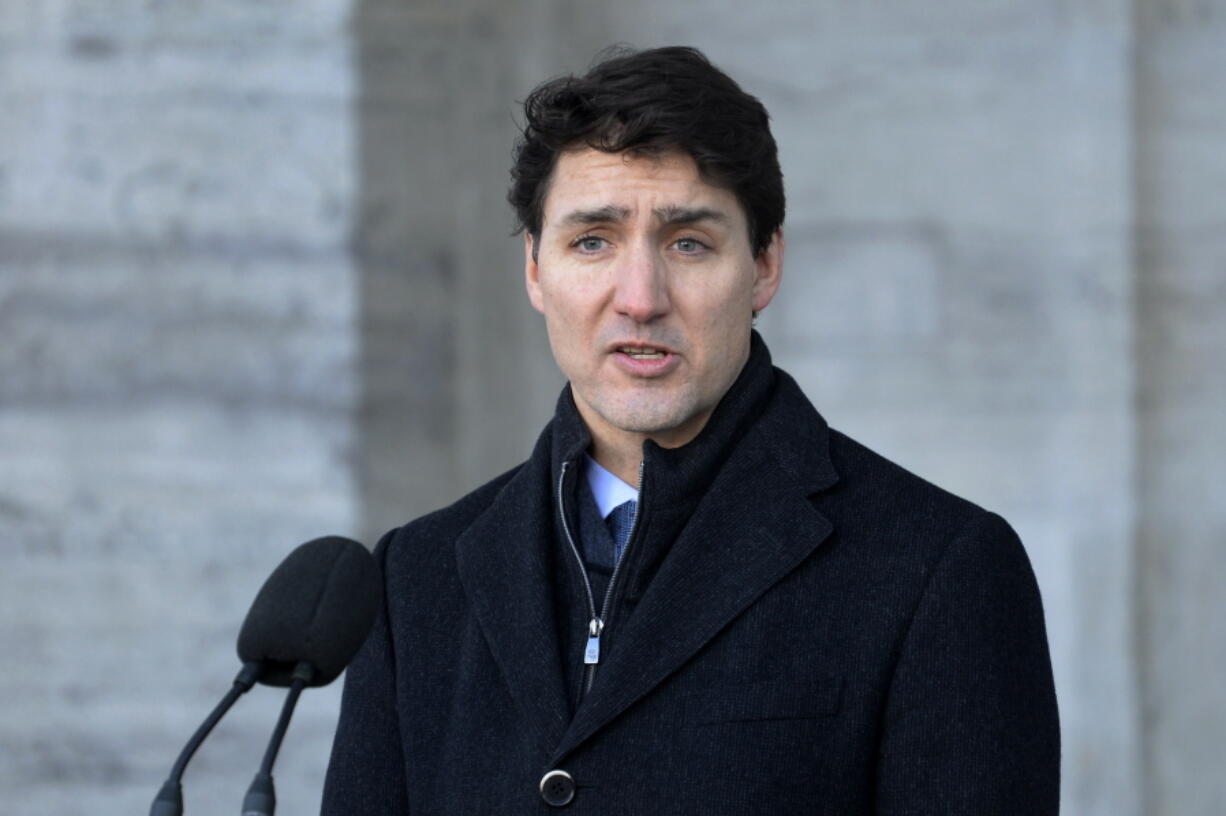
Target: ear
[(769, 268), (532, 275)]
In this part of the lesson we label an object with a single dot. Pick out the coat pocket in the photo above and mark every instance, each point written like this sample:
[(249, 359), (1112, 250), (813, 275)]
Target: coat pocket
[(805, 699)]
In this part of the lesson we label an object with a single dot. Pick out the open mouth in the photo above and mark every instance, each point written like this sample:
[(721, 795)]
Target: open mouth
[(643, 352)]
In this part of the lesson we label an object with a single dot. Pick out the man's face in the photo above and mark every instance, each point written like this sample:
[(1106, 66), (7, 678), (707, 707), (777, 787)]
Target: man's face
[(648, 284)]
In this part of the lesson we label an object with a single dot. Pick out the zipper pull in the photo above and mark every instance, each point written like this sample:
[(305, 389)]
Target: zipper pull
[(591, 655)]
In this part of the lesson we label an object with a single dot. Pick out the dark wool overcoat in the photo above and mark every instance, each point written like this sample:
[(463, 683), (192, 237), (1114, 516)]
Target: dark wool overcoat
[(802, 627)]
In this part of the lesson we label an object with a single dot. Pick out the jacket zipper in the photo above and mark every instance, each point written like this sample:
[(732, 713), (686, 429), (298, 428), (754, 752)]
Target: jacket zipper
[(596, 624)]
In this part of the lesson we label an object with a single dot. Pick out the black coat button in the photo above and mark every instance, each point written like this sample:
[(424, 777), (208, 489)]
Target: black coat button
[(557, 788)]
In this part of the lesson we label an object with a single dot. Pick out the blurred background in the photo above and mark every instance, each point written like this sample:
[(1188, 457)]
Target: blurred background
[(257, 285)]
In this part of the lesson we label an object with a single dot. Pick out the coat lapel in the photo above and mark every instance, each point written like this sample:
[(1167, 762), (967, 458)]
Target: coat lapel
[(504, 567), (738, 544)]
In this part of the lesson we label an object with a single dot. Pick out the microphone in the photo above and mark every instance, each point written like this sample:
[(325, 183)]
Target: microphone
[(317, 607), (305, 625), (307, 621)]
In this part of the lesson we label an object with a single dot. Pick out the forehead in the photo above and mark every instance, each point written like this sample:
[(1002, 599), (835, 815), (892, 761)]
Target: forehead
[(590, 179)]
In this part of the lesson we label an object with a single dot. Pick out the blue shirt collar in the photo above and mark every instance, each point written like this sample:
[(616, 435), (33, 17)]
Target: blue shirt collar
[(608, 490)]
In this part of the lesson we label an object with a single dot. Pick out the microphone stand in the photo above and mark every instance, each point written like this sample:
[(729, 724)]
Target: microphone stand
[(261, 798), (169, 800)]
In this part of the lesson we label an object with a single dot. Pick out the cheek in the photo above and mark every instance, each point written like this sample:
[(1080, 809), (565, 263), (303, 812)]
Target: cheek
[(564, 324), (571, 291), (721, 330), (720, 309), (575, 308), (567, 337)]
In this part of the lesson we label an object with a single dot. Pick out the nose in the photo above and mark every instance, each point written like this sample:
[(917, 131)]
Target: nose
[(641, 286)]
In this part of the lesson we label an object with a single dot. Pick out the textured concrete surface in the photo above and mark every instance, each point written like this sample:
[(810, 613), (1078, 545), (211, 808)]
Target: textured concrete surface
[(257, 285), (1181, 430), (177, 382)]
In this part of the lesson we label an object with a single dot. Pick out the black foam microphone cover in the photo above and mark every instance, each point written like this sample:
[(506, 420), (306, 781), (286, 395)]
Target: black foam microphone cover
[(317, 607)]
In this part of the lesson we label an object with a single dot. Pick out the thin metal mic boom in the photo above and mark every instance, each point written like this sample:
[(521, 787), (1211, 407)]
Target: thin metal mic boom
[(169, 801), (261, 798)]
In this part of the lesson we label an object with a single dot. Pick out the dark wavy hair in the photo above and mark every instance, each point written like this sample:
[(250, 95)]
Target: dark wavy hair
[(649, 102)]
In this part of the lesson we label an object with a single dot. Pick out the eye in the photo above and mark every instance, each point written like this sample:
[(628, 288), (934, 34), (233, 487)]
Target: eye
[(589, 243), (689, 246)]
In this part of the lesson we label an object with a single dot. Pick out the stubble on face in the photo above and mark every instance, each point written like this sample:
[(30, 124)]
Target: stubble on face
[(670, 409), (640, 254)]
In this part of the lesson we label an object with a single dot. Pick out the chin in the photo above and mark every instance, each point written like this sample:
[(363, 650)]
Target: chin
[(652, 420)]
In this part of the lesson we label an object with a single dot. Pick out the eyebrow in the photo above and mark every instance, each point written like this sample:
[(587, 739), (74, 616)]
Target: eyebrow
[(597, 215), (670, 216), (667, 216)]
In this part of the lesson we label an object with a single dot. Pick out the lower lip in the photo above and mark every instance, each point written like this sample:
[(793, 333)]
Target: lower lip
[(646, 366)]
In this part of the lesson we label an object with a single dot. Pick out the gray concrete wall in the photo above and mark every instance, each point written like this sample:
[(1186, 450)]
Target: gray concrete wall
[(1181, 408), (178, 338), (256, 285)]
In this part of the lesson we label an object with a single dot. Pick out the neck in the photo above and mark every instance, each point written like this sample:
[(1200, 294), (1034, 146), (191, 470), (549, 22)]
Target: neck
[(621, 461), (620, 452)]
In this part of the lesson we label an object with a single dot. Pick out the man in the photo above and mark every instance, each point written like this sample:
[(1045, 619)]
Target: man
[(777, 621)]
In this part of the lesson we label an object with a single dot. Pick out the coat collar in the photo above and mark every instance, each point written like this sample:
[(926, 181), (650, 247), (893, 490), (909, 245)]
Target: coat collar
[(737, 544), (504, 564), (681, 476)]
